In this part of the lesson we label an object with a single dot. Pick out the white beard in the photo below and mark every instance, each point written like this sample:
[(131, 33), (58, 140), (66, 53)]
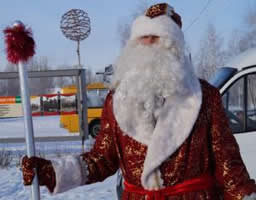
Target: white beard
[(156, 101), (144, 77)]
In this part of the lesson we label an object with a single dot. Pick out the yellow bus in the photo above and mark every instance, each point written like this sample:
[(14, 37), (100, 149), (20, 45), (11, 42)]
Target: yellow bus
[(96, 93)]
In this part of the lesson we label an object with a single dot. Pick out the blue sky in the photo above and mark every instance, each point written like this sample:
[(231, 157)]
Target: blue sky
[(102, 46)]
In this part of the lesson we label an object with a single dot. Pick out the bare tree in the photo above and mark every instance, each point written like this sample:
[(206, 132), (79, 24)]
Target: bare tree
[(89, 75), (98, 78), (37, 86), (210, 54), (40, 85), (250, 18), (124, 32), (60, 82), (233, 46), (248, 40), (244, 39), (2, 88), (124, 26), (10, 87), (64, 81)]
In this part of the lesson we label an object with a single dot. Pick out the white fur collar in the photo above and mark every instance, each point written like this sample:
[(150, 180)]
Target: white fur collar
[(175, 122), (173, 127)]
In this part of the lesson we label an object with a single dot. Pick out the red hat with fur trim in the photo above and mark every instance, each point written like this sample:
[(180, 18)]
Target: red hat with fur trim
[(160, 20)]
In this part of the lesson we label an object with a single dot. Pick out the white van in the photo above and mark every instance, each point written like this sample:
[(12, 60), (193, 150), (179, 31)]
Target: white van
[(237, 84)]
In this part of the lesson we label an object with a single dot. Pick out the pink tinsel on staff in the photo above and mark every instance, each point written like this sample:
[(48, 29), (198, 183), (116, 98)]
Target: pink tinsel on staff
[(20, 45)]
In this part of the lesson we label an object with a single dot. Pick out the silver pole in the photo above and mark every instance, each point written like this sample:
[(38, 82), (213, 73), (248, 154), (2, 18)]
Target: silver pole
[(83, 92), (79, 109), (78, 53), (82, 106), (29, 133)]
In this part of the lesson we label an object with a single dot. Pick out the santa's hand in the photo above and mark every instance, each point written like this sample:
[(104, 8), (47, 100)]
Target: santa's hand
[(44, 169)]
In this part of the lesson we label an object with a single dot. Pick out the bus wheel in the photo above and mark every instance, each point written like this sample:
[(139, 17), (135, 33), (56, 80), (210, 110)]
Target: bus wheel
[(94, 128)]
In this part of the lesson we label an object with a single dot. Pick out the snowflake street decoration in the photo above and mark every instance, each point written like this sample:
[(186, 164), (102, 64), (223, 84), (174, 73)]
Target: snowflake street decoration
[(75, 25)]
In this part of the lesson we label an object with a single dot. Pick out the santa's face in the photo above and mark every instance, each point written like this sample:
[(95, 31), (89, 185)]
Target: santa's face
[(148, 39)]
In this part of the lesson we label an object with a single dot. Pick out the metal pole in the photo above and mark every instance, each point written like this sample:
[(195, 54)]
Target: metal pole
[(29, 134), (83, 92), (79, 109), (82, 107), (78, 53)]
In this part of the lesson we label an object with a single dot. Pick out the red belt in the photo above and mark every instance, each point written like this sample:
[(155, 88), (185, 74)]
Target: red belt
[(203, 182)]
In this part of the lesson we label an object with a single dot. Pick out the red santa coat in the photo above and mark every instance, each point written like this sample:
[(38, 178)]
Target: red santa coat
[(209, 148)]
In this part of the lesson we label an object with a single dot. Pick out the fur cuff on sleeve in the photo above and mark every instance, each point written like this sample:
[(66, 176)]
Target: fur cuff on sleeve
[(251, 197), (70, 172)]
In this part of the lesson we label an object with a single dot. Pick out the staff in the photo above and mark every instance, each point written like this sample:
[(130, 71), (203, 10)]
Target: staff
[(20, 46)]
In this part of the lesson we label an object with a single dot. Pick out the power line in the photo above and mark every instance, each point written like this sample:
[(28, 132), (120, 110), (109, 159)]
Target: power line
[(201, 12)]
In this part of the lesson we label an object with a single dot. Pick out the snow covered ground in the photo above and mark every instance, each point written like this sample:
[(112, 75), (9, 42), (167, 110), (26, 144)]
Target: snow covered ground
[(43, 126), (11, 187)]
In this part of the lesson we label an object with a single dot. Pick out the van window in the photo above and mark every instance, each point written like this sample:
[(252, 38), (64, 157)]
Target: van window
[(251, 102), (239, 102), (233, 101)]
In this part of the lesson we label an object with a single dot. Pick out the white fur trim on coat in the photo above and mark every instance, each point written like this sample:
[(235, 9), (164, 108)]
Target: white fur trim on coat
[(70, 172), (174, 125), (251, 197), (162, 26)]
